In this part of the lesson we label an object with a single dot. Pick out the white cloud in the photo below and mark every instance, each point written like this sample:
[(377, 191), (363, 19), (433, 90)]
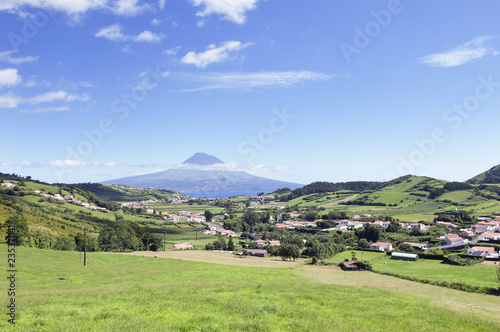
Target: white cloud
[(161, 4), (6, 56), (460, 55), (149, 37), (48, 97), (49, 109), (247, 81), (129, 7), (70, 163), (213, 54), (75, 97), (9, 77), (77, 7), (67, 6), (155, 22), (231, 10), (112, 32), (9, 100), (172, 51)]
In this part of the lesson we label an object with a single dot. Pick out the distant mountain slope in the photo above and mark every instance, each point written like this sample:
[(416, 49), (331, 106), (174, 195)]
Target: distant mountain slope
[(202, 159), (183, 180), (490, 176)]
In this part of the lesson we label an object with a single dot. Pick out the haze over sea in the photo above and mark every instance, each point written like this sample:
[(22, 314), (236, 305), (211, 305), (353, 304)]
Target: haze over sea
[(220, 194)]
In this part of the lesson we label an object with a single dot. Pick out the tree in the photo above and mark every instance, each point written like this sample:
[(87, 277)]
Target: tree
[(219, 244), (65, 243), (405, 247), (42, 237), (155, 243), (208, 216), (289, 251), (17, 230), (394, 227), (370, 232), (230, 244), (251, 218), (290, 248), (363, 244), (119, 236), (91, 242)]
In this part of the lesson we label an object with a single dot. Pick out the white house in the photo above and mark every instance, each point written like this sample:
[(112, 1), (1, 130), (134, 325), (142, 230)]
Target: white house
[(488, 236), (481, 251), (341, 227), (381, 246), (453, 239)]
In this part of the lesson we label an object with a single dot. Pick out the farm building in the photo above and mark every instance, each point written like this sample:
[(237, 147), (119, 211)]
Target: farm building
[(350, 266), (404, 257), (181, 246), (257, 252)]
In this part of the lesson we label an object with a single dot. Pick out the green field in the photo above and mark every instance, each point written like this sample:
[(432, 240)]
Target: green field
[(478, 275), (130, 293)]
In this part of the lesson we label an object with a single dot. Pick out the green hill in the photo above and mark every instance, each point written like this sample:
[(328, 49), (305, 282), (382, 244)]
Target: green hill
[(408, 198), (491, 176)]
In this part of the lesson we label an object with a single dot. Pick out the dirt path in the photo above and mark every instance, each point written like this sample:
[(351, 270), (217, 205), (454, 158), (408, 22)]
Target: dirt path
[(217, 257), (485, 306)]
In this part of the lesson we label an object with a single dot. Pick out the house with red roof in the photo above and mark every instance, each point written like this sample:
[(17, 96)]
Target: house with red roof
[(488, 236), (453, 239), (481, 251)]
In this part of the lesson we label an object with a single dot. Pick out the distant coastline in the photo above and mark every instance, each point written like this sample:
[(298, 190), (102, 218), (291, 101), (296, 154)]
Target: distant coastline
[(220, 194)]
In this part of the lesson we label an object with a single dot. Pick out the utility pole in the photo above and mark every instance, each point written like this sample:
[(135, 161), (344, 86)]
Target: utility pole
[(164, 232), (85, 248)]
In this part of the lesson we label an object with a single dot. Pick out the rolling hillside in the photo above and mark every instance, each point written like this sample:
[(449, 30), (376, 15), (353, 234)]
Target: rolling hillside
[(491, 176)]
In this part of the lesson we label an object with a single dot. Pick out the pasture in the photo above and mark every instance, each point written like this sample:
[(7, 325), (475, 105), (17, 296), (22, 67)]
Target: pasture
[(478, 275), (115, 292)]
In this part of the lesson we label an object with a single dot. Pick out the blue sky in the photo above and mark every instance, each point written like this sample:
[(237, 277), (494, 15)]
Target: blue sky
[(92, 90)]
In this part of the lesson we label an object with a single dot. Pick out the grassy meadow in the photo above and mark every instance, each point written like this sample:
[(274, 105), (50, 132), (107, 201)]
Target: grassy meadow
[(131, 293), (478, 274)]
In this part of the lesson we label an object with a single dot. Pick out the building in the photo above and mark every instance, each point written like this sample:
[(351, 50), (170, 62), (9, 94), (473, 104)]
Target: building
[(404, 257), (453, 239), (381, 246), (489, 236), (257, 252), (181, 246), (418, 246), (481, 251), (350, 266)]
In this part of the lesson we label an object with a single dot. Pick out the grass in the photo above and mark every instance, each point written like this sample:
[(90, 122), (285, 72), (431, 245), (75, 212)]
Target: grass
[(457, 196), (128, 293), (479, 274)]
